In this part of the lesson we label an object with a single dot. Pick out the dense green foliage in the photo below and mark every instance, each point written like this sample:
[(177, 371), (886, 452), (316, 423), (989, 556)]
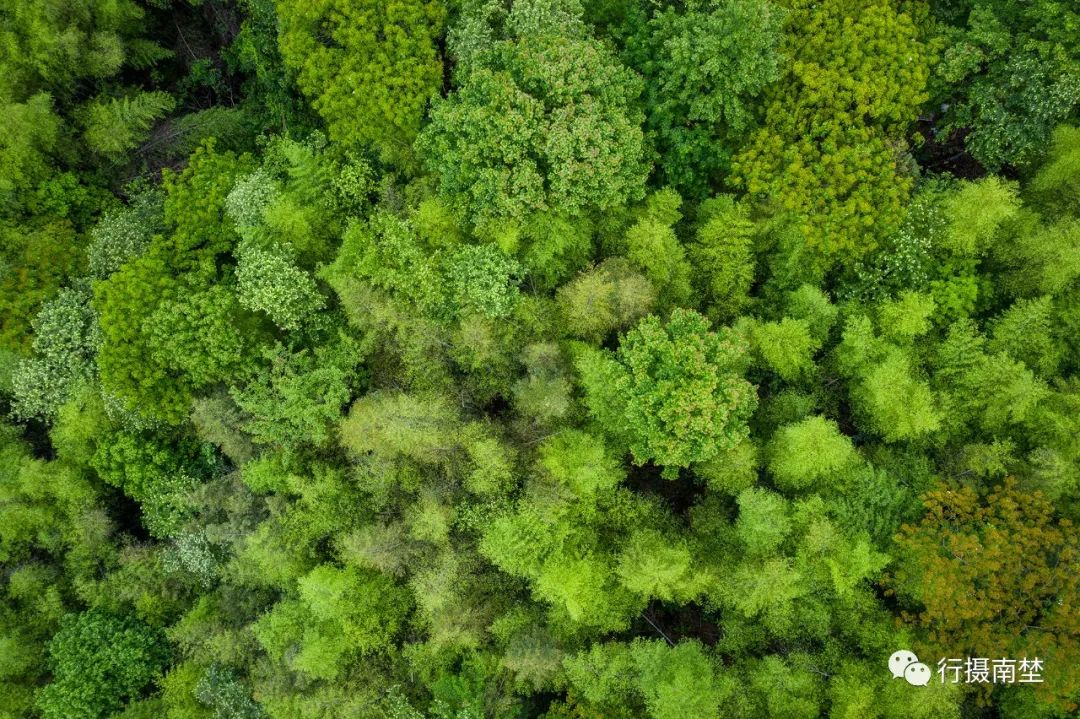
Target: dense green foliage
[(98, 662), (537, 359), (543, 118), (368, 67)]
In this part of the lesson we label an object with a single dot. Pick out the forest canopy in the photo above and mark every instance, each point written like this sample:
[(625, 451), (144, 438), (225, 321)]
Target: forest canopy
[(539, 359)]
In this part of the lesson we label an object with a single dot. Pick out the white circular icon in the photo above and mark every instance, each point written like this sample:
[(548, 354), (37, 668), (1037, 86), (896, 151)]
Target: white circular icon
[(900, 660), (917, 674)]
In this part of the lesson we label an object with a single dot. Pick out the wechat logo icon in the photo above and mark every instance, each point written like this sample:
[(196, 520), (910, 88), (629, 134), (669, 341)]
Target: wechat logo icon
[(905, 664)]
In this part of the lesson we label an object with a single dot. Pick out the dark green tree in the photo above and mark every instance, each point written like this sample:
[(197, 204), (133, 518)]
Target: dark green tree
[(98, 662), (544, 116), (705, 70)]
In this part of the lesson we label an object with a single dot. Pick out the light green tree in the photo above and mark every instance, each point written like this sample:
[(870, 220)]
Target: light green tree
[(673, 392), (397, 425), (722, 255), (581, 461), (810, 453), (607, 298), (764, 521), (652, 565), (786, 347), (678, 681), (115, 126)]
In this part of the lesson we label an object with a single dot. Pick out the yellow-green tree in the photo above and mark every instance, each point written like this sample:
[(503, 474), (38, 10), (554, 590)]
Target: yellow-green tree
[(369, 67), (995, 576), (830, 151)]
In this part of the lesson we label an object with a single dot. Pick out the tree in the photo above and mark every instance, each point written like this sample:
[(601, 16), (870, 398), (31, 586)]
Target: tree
[(219, 689), (481, 350), (897, 404), (269, 282), (50, 511), (998, 392), (764, 521), (722, 252), (584, 590), (652, 245), (1008, 76), (34, 131), (492, 470), (39, 260), (705, 70), (827, 152), (975, 212), (297, 398), (64, 338), (855, 689), (981, 573), (386, 252), (194, 333), (607, 298), (580, 461), (483, 279), (395, 425), (543, 118), (906, 317), (51, 59), (733, 470), (653, 566), (810, 452), (552, 245), (128, 370), (785, 690), (169, 321), (673, 392), (99, 661), (369, 67), (1056, 185), (543, 395), (887, 389), (1025, 331), (338, 616), (49, 48), (154, 470), (519, 541), (669, 681), (1047, 252), (603, 674), (785, 347), (123, 234), (678, 681), (812, 305), (117, 125)]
